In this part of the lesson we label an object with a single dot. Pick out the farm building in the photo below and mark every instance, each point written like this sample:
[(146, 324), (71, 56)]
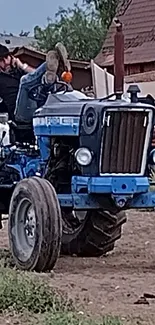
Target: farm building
[(137, 17), (138, 21)]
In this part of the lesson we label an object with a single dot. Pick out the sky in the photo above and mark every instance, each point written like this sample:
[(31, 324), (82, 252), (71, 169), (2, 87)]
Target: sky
[(20, 15)]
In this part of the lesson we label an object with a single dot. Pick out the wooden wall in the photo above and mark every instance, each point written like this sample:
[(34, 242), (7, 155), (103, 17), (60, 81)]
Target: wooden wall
[(136, 68)]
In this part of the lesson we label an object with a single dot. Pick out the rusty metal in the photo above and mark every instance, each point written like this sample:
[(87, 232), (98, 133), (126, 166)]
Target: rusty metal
[(119, 59)]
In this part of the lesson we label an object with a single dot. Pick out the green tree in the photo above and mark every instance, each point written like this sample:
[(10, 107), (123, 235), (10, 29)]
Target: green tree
[(106, 9), (80, 29)]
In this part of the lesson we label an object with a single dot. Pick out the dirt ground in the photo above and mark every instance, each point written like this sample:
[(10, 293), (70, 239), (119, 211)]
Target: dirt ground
[(112, 284)]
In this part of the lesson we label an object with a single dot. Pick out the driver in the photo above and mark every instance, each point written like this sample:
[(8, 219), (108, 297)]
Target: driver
[(17, 78)]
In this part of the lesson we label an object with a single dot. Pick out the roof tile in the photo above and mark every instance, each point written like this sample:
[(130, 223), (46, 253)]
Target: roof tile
[(138, 21)]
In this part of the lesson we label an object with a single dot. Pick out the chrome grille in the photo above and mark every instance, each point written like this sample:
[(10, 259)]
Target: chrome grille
[(124, 141)]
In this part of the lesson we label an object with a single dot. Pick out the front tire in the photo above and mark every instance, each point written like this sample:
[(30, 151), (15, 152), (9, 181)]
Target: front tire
[(35, 225)]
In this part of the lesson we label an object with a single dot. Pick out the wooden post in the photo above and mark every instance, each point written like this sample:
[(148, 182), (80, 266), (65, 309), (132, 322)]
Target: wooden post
[(118, 59)]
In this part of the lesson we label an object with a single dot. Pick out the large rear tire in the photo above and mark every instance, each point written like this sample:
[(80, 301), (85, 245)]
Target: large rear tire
[(35, 225), (95, 236)]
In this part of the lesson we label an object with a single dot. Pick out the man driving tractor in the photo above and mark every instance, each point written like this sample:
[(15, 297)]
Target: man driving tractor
[(17, 78)]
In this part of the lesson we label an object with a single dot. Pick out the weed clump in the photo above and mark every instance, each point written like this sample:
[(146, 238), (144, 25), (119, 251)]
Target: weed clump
[(20, 290)]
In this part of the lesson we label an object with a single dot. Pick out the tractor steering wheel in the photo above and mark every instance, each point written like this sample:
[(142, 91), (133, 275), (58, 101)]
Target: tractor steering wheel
[(63, 86), (40, 92)]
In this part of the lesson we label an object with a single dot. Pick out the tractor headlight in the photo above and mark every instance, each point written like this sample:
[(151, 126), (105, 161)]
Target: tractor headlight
[(152, 157), (83, 156)]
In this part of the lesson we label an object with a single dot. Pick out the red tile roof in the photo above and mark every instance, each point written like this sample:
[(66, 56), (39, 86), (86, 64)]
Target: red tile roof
[(138, 18)]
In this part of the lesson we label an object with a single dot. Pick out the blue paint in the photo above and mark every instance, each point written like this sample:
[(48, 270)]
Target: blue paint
[(56, 126), (127, 192), (32, 167), (89, 202), (146, 200), (27, 166), (44, 145), (57, 130), (127, 185), (79, 201), (18, 169)]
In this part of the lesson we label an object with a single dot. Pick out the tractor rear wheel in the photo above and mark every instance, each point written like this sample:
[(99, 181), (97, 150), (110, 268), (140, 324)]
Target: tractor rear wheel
[(94, 236), (35, 225)]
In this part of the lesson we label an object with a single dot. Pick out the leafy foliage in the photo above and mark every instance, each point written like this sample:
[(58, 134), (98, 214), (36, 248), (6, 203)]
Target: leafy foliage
[(72, 319), (79, 28), (106, 9), (22, 291)]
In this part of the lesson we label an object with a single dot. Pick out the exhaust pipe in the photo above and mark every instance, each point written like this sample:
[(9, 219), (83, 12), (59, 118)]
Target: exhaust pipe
[(118, 60)]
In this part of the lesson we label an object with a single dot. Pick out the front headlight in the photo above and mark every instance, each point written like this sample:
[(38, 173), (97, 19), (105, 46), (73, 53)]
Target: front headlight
[(152, 157), (83, 156)]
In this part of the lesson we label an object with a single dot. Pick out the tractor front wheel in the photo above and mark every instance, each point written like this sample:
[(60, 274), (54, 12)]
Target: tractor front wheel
[(35, 225)]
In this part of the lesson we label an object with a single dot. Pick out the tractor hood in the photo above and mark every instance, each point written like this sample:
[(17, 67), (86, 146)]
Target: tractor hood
[(62, 103)]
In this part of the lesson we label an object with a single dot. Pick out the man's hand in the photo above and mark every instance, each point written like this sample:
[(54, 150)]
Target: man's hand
[(17, 63)]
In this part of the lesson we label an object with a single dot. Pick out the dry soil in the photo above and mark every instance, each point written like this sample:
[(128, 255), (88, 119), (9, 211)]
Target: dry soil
[(112, 284)]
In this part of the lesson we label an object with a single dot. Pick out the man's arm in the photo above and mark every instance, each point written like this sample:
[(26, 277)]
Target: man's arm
[(26, 68), (22, 66)]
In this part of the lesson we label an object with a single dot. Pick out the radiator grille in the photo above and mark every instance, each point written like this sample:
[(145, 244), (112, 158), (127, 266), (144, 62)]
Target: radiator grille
[(123, 141)]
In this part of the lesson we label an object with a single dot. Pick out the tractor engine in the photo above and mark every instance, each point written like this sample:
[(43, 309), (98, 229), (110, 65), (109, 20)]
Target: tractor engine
[(61, 165), (93, 138)]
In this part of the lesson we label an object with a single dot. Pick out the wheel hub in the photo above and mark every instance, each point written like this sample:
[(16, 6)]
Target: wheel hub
[(25, 229), (30, 223)]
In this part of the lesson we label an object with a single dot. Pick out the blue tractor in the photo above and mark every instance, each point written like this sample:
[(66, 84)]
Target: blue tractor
[(68, 188), (67, 179)]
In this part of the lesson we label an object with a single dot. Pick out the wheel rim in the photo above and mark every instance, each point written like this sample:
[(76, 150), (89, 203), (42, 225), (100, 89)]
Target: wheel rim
[(24, 230), (70, 229)]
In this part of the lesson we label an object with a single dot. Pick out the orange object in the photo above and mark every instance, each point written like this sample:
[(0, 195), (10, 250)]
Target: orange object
[(67, 76)]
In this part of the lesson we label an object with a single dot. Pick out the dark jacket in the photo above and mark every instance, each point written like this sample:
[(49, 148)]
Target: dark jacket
[(9, 86)]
